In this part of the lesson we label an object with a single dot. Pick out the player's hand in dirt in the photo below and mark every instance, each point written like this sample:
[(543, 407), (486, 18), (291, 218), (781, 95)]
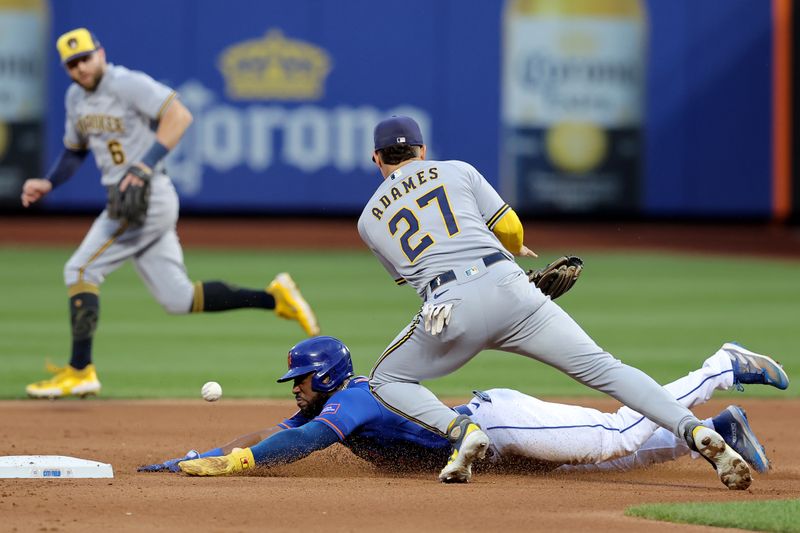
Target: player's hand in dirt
[(34, 189), (170, 465)]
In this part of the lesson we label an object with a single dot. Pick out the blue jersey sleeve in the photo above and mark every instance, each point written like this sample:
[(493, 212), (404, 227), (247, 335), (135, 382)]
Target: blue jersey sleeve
[(294, 421), (293, 444), (348, 410)]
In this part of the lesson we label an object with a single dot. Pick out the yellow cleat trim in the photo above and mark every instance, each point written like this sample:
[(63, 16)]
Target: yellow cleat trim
[(453, 456), (51, 368), (197, 301), (81, 287)]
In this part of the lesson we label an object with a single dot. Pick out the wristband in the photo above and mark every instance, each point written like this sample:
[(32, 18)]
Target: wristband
[(155, 154)]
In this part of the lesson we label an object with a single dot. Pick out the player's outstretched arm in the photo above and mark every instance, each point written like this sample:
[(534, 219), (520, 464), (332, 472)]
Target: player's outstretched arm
[(171, 465), (251, 439), (281, 448), (244, 441), (63, 169)]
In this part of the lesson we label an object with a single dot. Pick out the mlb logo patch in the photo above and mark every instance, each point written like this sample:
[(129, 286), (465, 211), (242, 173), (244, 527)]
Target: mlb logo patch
[(471, 271), (330, 409)]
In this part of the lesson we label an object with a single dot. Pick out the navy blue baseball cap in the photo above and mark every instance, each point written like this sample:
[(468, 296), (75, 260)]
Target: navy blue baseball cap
[(397, 130)]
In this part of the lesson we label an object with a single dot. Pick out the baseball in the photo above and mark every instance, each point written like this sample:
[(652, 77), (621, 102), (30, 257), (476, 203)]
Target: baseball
[(211, 391)]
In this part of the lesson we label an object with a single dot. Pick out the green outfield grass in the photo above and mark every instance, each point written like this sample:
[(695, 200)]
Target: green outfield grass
[(780, 516), (663, 313)]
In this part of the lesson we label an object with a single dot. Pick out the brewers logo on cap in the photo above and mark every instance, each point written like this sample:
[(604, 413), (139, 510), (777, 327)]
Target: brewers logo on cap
[(76, 43)]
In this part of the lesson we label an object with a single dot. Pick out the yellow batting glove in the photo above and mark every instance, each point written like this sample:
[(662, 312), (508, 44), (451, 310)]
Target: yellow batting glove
[(236, 461)]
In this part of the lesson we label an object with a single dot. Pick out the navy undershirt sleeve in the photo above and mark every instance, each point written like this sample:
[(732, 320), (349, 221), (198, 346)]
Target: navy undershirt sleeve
[(293, 444), (65, 166)]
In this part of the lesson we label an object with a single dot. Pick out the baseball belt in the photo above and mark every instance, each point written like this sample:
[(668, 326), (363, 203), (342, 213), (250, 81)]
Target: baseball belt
[(449, 276)]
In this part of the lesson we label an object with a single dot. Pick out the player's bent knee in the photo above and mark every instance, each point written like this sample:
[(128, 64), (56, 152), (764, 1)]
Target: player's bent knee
[(72, 274), (175, 307), (176, 298), (76, 274)]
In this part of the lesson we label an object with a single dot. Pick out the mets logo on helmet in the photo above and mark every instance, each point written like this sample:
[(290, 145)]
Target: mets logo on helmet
[(289, 360)]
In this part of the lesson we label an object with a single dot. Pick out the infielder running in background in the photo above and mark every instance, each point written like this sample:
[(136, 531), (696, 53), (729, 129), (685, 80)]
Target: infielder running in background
[(441, 227), (130, 122), (526, 433)]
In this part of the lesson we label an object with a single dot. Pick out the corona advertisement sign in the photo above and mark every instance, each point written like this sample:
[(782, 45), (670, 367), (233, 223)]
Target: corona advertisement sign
[(274, 68), (584, 107)]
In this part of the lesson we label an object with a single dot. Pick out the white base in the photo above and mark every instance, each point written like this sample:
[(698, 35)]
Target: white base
[(52, 467)]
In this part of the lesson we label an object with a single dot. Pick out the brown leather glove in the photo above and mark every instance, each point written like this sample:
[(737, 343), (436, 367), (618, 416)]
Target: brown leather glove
[(131, 204), (558, 277)]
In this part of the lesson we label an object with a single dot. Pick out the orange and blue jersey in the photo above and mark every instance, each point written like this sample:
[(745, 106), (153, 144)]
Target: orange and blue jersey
[(372, 432)]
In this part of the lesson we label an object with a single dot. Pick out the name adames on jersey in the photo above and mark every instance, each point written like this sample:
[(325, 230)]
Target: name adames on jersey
[(407, 185)]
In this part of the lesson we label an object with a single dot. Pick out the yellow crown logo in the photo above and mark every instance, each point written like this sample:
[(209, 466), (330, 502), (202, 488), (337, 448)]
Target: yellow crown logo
[(274, 68)]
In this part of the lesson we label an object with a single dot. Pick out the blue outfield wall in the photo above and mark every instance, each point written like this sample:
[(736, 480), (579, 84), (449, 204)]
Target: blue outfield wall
[(282, 144), (709, 108)]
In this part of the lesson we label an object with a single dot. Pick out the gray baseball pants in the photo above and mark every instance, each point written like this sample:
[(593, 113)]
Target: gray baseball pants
[(498, 308), (154, 249)]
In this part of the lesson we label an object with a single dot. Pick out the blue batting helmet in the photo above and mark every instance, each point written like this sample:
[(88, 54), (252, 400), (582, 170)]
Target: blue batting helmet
[(327, 358)]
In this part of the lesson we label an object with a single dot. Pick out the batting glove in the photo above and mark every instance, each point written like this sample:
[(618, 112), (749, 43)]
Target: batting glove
[(436, 317), (237, 461)]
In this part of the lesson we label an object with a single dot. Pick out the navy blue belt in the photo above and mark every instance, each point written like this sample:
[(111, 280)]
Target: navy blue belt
[(449, 276)]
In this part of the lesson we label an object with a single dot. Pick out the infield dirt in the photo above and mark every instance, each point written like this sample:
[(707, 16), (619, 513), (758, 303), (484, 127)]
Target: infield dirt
[(333, 490)]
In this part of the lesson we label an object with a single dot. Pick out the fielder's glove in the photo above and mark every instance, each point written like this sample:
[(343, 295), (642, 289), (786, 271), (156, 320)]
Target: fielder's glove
[(131, 204), (171, 465), (558, 277)]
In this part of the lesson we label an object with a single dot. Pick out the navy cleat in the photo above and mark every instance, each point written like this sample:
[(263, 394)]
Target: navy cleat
[(752, 368), (732, 425)]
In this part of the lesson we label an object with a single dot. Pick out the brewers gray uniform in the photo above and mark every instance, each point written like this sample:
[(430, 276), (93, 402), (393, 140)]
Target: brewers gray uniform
[(432, 220), (117, 123), (130, 122)]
